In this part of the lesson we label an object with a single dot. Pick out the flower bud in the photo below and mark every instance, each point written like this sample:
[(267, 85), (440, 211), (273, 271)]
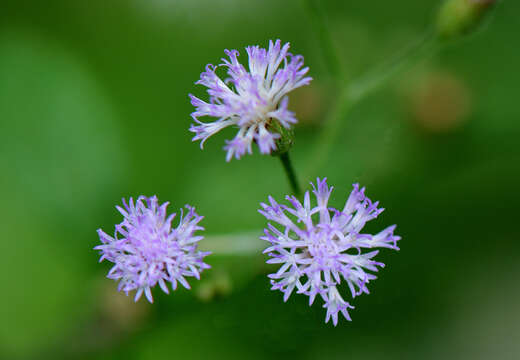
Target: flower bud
[(459, 17), (286, 139)]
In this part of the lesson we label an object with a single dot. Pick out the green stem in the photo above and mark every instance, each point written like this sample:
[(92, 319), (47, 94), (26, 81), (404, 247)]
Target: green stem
[(291, 175), (324, 38), (355, 91), (375, 79), (327, 136)]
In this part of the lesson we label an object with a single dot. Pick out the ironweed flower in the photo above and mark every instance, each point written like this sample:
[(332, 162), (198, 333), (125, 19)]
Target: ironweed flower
[(324, 246), (146, 250), (252, 100)]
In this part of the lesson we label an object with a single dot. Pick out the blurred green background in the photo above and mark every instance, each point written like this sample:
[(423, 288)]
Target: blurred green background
[(94, 107)]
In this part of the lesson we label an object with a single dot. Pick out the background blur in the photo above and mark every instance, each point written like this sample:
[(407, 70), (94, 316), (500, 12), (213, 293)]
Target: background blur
[(94, 107)]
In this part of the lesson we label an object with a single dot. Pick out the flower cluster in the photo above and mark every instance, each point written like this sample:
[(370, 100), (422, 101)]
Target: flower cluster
[(324, 246), (320, 250), (146, 250), (252, 99)]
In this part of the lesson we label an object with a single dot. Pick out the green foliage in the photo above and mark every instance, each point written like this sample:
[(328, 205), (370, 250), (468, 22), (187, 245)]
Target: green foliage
[(94, 107), (59, 151)]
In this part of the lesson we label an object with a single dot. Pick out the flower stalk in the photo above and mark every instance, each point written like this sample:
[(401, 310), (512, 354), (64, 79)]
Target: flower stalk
[(355, 91), (330, 55), (291, 174)]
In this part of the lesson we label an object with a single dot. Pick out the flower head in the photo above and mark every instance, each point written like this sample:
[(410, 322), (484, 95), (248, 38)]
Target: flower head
[(324, 246), (252, 99), (146, 250)]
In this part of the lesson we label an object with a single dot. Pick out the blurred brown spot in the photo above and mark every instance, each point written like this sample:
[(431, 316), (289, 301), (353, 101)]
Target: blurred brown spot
[(219, 285), (119, 310), (308, 102), (116, 317), (439, 101)]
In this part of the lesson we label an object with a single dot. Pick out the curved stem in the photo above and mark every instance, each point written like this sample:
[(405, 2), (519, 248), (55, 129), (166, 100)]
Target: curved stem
[(410, 56), (359, 89), (324, 38), (330, 131)]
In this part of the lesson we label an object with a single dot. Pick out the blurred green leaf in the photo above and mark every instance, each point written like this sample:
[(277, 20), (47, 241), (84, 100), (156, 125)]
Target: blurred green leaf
[(60, 150)]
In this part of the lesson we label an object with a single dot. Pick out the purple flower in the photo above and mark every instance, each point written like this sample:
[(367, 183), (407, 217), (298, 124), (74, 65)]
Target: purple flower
[(324, 246), (146, 250), (252, 99)]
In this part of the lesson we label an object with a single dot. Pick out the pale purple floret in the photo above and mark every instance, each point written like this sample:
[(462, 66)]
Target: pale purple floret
[(324, 246), (249, 99), (147, 251)]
